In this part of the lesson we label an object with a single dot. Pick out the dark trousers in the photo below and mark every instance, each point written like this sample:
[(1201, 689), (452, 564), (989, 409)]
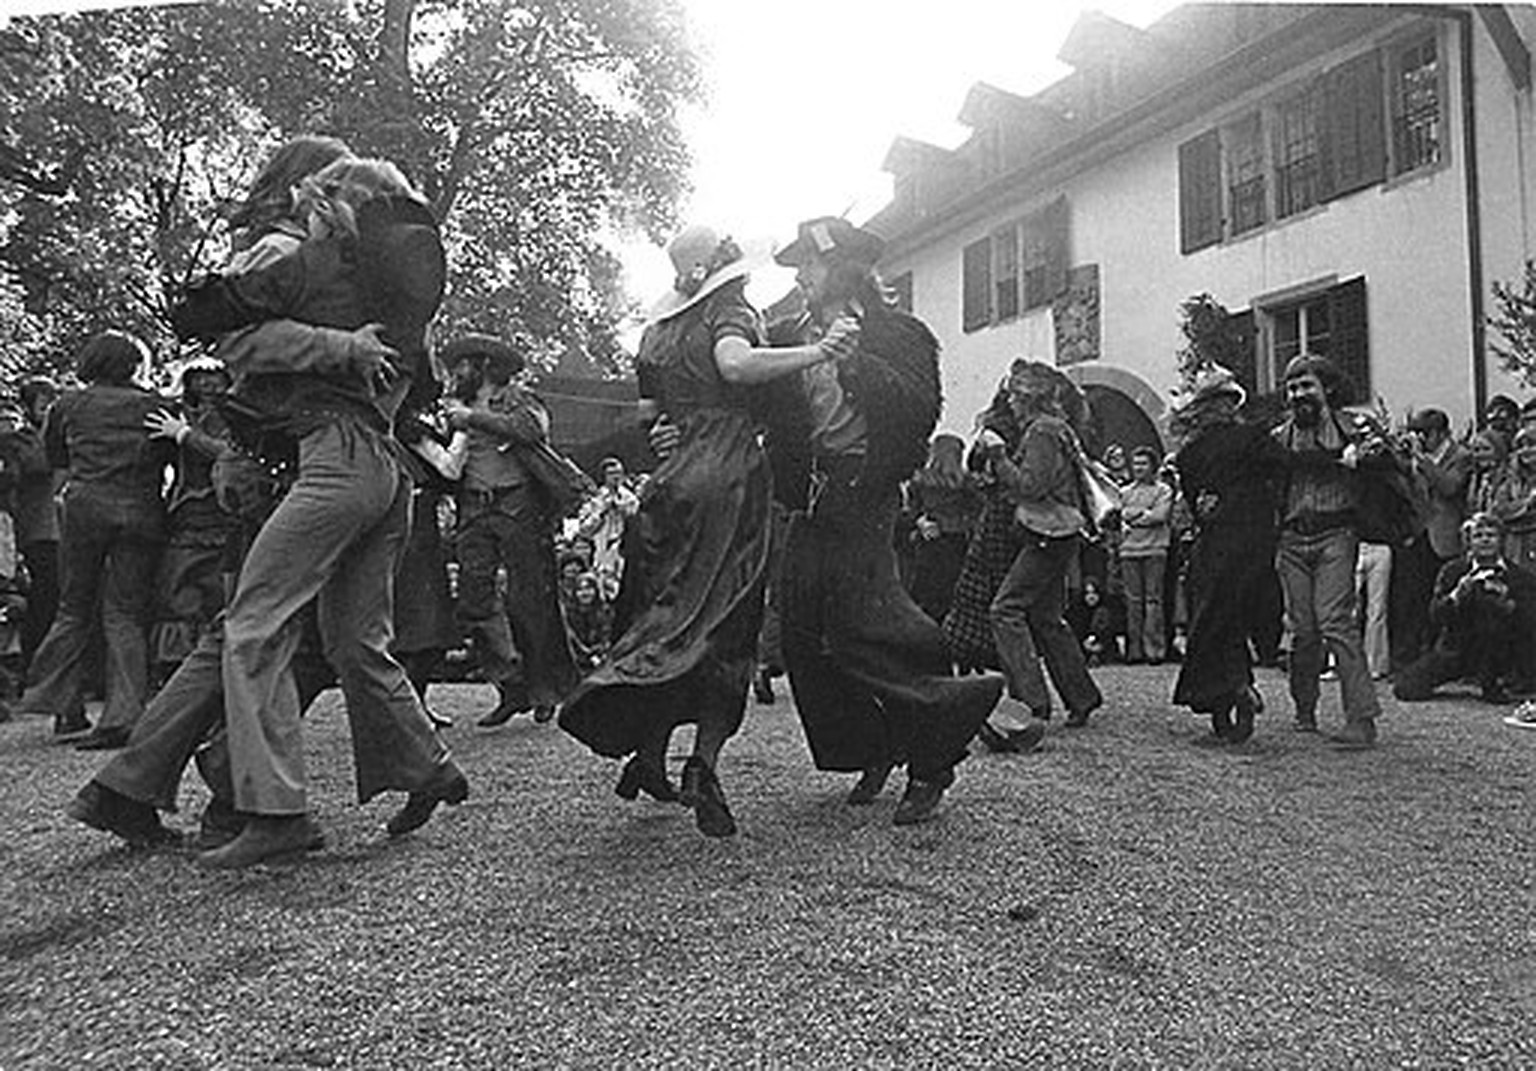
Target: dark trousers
[(521, 638), (108, 556), (1029, 608), (1414, 568), (42, 561)]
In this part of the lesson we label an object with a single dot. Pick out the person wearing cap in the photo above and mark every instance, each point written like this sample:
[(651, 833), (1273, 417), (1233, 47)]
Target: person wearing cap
[(690, 602), (870, 673), (1230, 471), (1440, 468), (505, 523), (1319, 541)]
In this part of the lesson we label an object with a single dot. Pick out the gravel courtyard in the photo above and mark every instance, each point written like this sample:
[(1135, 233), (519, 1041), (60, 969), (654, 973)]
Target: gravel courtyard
[(1120, 899)]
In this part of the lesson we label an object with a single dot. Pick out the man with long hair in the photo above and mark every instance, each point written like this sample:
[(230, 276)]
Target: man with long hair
[(869, 670), (1041, 477)]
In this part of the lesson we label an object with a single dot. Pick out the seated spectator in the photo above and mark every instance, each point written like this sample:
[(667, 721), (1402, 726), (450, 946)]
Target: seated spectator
[(1482, 612), (1093, 623), (589, 620)]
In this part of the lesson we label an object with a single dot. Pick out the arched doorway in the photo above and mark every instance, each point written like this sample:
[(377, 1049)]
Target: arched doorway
[(1126, 410)]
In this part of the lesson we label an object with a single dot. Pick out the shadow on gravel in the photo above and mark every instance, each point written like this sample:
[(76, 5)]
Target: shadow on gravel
[(61, 931)]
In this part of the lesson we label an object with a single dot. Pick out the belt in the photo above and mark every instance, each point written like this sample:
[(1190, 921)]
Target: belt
[(1311, 524), (476, 496)]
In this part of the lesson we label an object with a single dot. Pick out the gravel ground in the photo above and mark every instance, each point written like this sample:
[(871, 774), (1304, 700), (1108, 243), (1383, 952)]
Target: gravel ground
[(1121, 899)]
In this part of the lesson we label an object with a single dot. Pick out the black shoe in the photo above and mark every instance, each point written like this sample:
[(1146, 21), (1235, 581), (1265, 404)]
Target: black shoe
[(266, 837), (870, 784), (110, 811), (1304, 723), (543, 713), (220, 823), (921, 799), (100, 739), (1078, 719), (1248, 704), (702, 792), (68, 730), (448, 786), (502, 713), (641, 776), (762, 688), (994, 740)]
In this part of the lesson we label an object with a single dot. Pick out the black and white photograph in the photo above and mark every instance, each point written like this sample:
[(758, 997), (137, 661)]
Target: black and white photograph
[(813, 535)]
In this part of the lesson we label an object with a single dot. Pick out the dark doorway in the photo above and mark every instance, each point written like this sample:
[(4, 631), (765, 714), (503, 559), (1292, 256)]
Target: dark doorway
[(1118, 419)]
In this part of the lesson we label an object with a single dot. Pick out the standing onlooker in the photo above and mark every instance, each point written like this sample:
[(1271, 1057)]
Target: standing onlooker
[(37, 513), (1318, 545), (1373, 586), (945, 504), (1441, 469), (602, 520), (1502, 415), (1145, 519), (1490, 457), (113, 525), (1514, 500)]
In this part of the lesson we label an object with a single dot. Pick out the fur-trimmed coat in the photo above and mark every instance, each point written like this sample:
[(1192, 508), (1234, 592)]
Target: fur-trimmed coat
[(892, 380)]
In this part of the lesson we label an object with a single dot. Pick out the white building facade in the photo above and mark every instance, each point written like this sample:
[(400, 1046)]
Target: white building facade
[(1350, 180)]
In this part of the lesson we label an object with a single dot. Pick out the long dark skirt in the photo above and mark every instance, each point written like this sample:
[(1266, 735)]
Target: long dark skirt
[(989, 555), (691, 601), (1227, 569), (869, 670), (424, 619)]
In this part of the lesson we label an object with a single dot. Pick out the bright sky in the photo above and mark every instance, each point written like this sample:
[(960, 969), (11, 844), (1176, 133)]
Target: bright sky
[(807, 96)]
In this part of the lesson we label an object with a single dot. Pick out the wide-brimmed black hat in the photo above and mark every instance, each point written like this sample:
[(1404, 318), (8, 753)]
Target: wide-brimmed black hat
[(500, 359), (834, 238)]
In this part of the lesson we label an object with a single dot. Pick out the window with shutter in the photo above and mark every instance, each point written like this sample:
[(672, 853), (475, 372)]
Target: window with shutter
[(1046, 254), (1247, 190), (1298, 154), (1354, 142), (1005, 272), (1417, 128), (1200, 192), (976, 285), (1350, 336)]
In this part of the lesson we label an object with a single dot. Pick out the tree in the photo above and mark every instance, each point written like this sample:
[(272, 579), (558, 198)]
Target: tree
[(535, 127), (1514, 322)]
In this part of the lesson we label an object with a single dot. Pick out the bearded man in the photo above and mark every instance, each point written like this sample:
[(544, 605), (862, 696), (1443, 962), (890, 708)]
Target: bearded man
[(1319, 543)]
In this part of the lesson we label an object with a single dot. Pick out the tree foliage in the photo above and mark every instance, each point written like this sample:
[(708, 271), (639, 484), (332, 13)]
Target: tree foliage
[(535, 127), (1514, 323)]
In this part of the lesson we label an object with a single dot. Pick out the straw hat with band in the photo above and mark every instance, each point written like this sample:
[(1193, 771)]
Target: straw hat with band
[(703, 262)]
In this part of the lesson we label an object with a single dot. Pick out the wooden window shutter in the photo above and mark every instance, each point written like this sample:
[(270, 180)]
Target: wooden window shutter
[(1245, 362), (1349, 343), (1058, 251), (1354, 134), (1200, 192), (976, 285)]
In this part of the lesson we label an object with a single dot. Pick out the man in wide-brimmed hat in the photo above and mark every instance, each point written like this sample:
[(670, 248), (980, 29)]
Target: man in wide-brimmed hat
[(869, 671), (505, 523)]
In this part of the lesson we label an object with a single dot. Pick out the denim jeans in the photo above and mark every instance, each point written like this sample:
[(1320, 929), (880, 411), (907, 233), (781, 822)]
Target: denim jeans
[(1145, 632), (108, 554), (1028, 609), (1317, 573)]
